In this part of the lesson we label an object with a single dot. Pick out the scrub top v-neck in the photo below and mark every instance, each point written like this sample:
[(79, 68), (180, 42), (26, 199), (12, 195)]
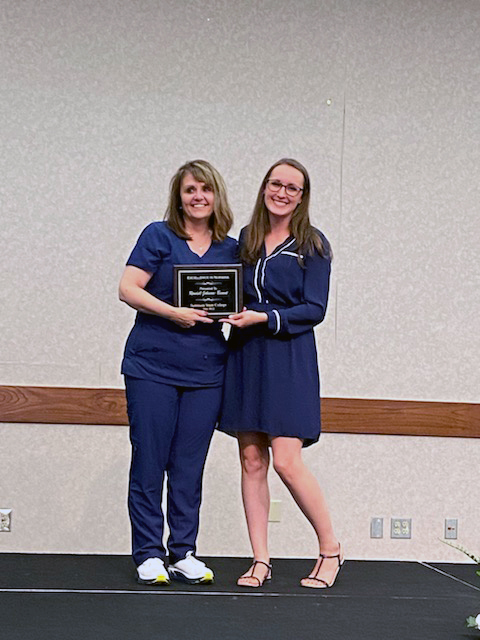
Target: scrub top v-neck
[(158, 349)]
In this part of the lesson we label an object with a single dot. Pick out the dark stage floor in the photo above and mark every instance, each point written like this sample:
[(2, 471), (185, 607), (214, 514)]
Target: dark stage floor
[(59, 597)]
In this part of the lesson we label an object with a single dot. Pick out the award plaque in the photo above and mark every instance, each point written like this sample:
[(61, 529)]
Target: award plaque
[(215, 288)]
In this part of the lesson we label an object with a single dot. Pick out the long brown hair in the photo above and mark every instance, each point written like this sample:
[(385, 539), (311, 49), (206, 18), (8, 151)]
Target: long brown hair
[(308, 239), (221, 219)]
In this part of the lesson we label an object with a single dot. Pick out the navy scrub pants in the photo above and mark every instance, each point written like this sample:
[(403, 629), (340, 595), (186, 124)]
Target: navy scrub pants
[(170, 431)]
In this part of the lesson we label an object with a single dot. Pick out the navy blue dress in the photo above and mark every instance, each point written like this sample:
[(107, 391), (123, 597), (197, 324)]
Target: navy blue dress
[(272, 381), (157, 349)]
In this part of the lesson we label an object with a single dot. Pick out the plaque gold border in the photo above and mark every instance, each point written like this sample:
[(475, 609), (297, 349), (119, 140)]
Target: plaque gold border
[(237, 269)]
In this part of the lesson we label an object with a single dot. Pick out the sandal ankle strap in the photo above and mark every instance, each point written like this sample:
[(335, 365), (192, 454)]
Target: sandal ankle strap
[(336, 555)]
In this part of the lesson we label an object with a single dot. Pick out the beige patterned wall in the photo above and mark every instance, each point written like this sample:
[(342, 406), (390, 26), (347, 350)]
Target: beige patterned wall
[(102, 101)]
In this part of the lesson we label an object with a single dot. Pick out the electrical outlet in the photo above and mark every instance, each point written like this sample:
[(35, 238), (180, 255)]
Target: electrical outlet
[(275, 513), (376, 528), (451, 528), (401, 528), (5, 520)]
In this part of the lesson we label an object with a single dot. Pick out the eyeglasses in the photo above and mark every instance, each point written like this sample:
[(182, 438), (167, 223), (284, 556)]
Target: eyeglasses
[(290, 189)]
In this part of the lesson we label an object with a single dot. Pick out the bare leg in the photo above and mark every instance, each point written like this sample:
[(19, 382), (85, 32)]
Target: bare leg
[(255, 458), (302, 484)]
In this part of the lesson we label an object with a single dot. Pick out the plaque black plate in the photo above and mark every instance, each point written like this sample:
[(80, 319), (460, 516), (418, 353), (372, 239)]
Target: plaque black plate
[(216, 288)]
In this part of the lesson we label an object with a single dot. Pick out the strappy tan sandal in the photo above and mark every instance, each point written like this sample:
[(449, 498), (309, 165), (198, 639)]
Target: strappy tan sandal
[(319, 582), (251, 576)]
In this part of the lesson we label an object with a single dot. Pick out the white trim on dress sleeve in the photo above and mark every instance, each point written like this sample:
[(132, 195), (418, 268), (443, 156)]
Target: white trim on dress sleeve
[(278, 320)]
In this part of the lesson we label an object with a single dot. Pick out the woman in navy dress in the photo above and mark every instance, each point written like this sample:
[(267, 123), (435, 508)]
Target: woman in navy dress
[(272, 390), (174, 368)]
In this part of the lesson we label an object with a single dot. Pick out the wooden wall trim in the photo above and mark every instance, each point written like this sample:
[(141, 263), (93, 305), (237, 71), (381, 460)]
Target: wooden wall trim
[(401, 417), (62, 405), (68, 405)]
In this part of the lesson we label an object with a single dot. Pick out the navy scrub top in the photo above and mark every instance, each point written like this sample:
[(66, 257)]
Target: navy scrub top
[(158, 349)]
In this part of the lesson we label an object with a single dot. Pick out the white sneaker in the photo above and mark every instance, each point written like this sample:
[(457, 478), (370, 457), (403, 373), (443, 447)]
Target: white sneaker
[(191, 570), (152, 571)]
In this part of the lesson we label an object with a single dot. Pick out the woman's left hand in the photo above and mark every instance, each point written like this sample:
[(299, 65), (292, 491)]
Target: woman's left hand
[(245, 318)]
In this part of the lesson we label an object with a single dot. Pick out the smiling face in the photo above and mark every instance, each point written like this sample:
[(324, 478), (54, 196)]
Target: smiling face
[(280, 203), (197, 198)]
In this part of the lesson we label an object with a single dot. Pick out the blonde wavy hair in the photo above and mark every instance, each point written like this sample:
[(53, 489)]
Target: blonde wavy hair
[(220, 221)]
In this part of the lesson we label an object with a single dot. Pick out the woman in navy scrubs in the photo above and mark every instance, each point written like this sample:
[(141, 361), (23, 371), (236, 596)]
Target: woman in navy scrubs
[(272, 390), (174, 369)]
